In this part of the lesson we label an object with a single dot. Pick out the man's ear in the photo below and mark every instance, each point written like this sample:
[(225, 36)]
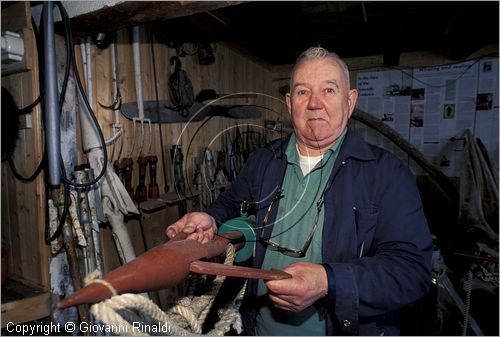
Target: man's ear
[(351, 100), (288, 98)]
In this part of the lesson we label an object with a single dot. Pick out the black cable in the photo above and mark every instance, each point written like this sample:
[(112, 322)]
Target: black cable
[(71, 57), (33, 176), (64, 87), (71, 64), (26, 110), (64, 213)]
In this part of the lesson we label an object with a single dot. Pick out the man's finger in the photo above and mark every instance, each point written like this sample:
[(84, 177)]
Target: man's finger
[(280, 303), (171, 232), (280, 287), (173, 229), (193, 236), (189, 228)]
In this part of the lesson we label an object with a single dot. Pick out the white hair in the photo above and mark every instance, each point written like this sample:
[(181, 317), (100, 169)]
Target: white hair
[(321, 54)]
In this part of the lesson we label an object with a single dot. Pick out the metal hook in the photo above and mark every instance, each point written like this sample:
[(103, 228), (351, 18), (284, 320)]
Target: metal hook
[(117, 103)]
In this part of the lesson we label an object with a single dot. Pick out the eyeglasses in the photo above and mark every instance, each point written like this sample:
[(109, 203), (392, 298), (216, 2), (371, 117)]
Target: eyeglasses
[(289, 251)]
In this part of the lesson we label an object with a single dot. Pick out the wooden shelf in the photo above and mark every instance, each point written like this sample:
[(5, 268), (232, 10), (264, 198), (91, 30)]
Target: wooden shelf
[(22, 303)]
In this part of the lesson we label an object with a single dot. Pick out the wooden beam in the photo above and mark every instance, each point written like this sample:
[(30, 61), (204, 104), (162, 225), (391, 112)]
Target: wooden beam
[(111, 19), (26, 310)]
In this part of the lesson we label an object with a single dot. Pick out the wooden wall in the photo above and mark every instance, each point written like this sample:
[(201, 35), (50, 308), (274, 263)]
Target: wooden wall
[(230, 73), (23, 204)]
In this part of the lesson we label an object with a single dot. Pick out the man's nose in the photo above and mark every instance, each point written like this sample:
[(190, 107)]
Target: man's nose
[(314, 102)]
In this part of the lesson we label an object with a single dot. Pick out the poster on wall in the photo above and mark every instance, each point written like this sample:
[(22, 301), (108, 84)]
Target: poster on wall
[(386, 95), (442, 108), (431, 107), (487, 123)]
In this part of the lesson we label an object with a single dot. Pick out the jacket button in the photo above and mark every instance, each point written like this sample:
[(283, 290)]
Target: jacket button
[(346, 323)]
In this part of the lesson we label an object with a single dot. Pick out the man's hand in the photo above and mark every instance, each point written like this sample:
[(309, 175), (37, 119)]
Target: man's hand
[(197, 225), (308, 284)]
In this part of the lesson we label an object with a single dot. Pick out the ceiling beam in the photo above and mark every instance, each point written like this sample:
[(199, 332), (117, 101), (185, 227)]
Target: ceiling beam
[(130, 13)]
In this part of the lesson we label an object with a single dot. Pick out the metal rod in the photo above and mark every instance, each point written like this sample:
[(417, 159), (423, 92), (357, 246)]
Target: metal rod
[(52, 123)]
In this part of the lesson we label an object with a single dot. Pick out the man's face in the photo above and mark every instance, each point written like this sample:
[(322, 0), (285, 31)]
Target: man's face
[(320, 104)]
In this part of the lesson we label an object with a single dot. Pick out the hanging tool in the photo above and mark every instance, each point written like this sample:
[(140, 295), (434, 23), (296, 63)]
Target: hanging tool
[(141, 192), (153, 191), (115, 198), (165, 111), (209, 174), (211, 94), (163, 161), (127, 165), (179, 184), (85, 217), (136, 41), (72, 257), (118, 169), (180, 88), (220, 170), (231, 166), (116, 105), (237, 150)]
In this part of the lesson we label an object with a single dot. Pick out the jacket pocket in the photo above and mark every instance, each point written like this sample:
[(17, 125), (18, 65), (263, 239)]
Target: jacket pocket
[(366, 221)]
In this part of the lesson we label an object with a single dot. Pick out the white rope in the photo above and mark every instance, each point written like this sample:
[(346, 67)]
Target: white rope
[(93, 277), (185, 318)]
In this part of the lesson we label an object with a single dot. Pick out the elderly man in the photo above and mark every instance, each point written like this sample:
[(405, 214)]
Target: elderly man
[(343, 217)]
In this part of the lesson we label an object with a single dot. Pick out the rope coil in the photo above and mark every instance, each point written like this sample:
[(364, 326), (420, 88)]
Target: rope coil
[(184, 318)]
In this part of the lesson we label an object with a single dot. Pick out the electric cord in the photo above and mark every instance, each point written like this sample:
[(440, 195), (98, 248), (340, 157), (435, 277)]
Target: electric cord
[(26, 110), (33, 176), (72, 64)]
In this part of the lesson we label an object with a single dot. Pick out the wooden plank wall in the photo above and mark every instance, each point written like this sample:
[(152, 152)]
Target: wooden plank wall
[(23, 210), (231, 73), (23, 205)]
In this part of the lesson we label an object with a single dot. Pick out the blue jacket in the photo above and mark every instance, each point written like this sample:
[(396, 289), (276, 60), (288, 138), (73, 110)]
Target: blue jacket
[(376, 243)]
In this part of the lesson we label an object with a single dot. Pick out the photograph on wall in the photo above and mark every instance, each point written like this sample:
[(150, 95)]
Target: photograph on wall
[(449, 111), (417, 116), (418, 94), (484, 102)]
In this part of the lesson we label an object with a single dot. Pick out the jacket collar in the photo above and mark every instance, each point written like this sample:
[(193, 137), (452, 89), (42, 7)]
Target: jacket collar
[(354, 146)]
